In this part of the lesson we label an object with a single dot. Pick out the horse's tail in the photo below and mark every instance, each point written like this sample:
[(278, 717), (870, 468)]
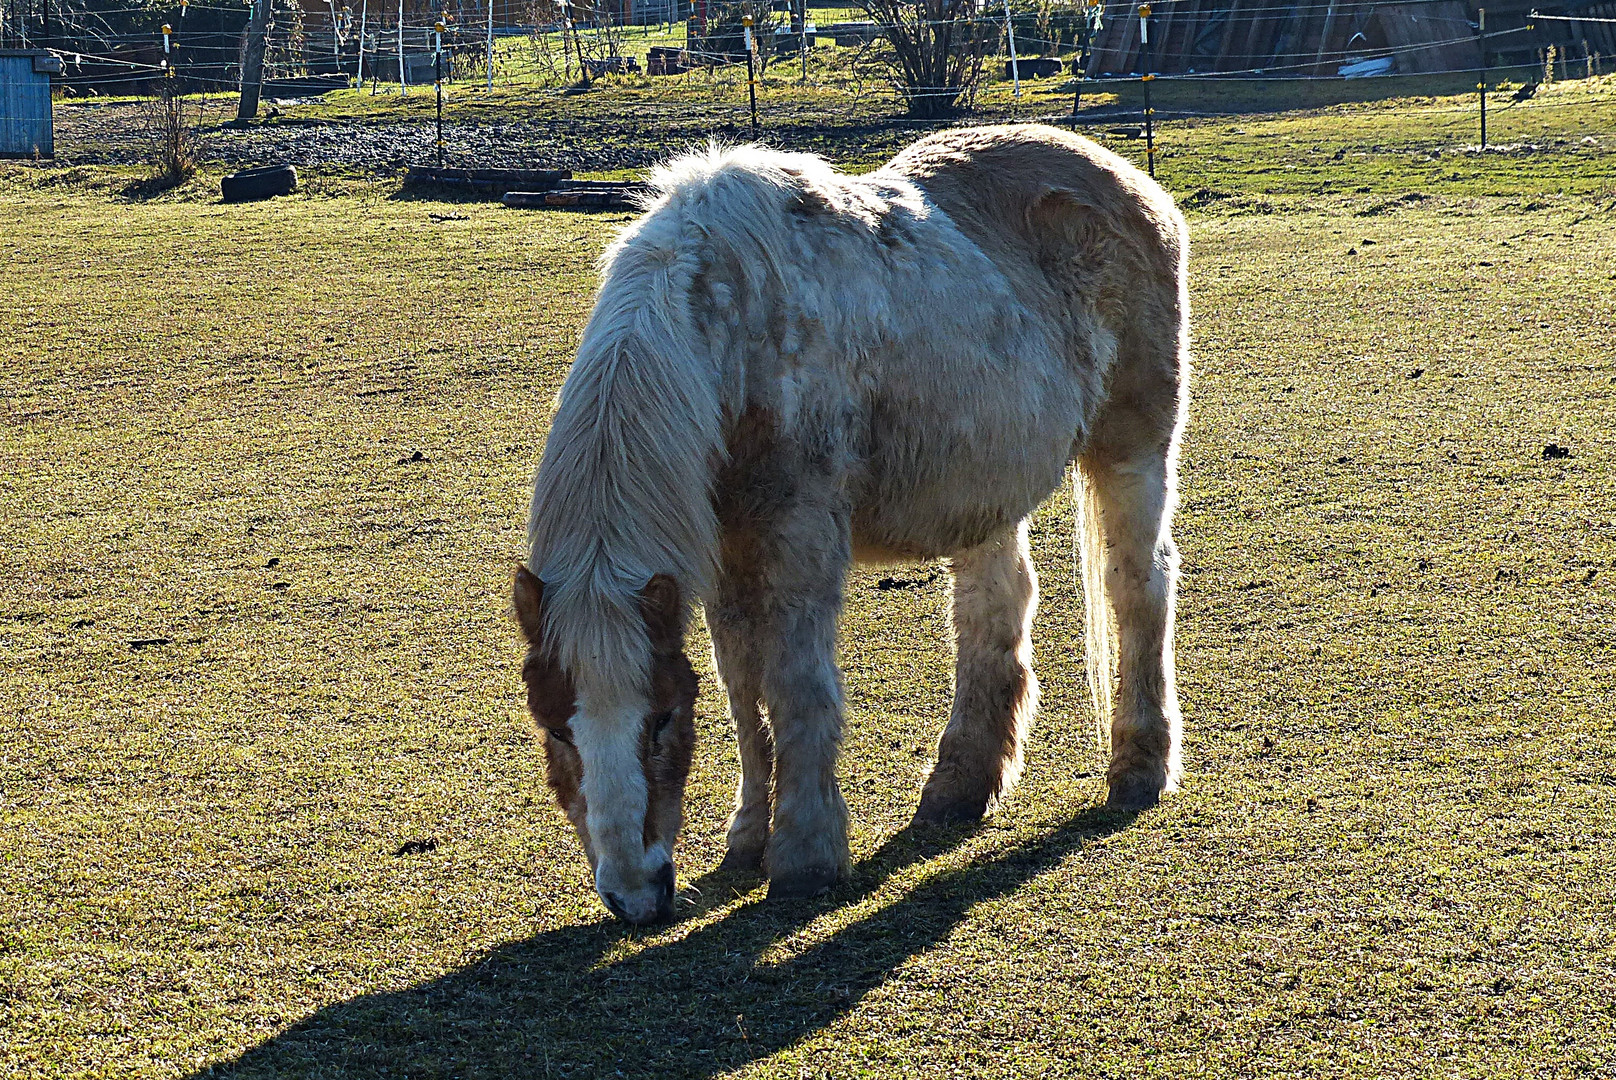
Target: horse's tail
[(624, 489), (1100, 625)]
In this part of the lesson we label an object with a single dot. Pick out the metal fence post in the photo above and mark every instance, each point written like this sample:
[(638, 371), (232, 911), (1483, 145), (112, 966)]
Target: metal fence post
[(751, 71), (1015, 68), (1481, 14), (1148, 78)]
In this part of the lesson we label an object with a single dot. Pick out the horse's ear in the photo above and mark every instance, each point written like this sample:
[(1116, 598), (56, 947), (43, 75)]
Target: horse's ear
[(663, 609), (528, 593)]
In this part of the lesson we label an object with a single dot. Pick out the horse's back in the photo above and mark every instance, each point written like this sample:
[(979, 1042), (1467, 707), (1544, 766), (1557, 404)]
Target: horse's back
[(939, 331), (1011, 187), (1090, 240)]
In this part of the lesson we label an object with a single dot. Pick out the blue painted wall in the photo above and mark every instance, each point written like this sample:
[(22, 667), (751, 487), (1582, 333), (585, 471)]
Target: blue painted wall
[(25, 107)]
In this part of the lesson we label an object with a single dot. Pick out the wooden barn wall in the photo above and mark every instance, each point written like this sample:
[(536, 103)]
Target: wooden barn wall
[(1260, 37), (1578, 38)]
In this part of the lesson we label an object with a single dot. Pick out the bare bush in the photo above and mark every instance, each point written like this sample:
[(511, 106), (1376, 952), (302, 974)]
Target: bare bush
[(171, 124), (725, 41), (935, 51)]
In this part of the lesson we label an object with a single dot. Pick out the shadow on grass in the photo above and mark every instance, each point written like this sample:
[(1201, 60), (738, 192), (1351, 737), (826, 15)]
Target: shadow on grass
[(149, 187), (695, 1006)]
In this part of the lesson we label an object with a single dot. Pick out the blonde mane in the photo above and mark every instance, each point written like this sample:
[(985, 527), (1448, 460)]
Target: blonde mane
[(623, 491)]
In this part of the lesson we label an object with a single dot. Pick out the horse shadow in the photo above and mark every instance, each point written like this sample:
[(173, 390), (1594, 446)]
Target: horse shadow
[(719, 997)]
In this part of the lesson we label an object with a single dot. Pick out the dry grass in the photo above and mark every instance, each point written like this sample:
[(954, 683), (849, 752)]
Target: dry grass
[(254, 646)]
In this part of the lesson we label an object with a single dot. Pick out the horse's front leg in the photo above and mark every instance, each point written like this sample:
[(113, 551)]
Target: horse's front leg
[(802, 580), (738, 634), (995, 690)]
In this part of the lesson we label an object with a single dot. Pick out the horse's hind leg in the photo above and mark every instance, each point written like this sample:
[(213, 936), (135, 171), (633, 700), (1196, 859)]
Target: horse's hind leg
[(736, 638), (1129, 471), (995, 690)]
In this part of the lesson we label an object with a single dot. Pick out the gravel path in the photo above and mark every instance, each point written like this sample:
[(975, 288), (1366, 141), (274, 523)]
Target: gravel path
[(96, 133), (89, 134)]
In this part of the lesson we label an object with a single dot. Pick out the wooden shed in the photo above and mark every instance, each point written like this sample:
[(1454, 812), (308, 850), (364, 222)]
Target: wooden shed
[(25, 102)]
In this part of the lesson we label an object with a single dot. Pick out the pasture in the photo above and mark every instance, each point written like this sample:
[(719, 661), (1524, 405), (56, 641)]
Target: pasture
[(272, 808)]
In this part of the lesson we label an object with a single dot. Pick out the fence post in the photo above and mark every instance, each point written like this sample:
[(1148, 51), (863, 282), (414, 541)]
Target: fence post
[(1481, 14), (1015, 68), (336, 36), (751, 71), (578, 47), (402, 88), (1148, 78), (566, 42), (1093, 17), (490, 44), (437, 82), (359, 65)]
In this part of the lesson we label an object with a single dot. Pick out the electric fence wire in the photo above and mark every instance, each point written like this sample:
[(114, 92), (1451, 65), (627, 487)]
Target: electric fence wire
[(191, 47)]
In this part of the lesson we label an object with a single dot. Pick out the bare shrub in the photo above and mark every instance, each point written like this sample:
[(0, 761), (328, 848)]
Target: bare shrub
[(725, 41), (935, 51), (171, 124)]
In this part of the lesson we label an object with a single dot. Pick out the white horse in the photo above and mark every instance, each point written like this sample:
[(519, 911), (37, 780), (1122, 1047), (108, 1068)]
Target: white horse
[(788, 369)]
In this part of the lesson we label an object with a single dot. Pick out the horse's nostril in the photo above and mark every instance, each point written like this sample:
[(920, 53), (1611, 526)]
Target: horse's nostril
[(663, 879), (615, 906)]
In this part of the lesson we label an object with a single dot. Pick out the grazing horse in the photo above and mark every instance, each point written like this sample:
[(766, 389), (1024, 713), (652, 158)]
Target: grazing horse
[(788, 369)]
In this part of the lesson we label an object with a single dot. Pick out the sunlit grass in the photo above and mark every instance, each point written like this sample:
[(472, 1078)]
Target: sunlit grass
[(253, 647)]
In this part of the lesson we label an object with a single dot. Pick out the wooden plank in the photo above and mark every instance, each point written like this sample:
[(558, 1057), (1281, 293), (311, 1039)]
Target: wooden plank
[(493, 181), (1405, 26), (546, 200), (1164, 21), (1178, 32), (1253, 50), (1452, 20), (1234, 35), (1111, 48), (1259, 38), (1290, 43), (1127, 39), (1321, 67)]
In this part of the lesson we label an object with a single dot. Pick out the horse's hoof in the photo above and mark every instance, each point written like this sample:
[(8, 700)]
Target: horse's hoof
[(1134, 793), (943, 811), (802, 884), (741, 861)]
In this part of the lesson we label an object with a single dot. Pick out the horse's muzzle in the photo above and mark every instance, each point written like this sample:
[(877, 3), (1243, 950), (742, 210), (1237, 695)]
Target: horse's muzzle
[(653, 905)]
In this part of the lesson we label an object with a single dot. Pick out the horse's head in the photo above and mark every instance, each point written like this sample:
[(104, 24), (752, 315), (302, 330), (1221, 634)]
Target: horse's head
[(617, 758)]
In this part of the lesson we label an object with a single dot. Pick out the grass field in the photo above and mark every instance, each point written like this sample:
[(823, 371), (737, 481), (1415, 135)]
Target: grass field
[(269, 806)]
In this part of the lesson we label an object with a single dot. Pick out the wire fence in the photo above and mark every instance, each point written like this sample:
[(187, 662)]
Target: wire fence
[(812, 64), (557, 42)]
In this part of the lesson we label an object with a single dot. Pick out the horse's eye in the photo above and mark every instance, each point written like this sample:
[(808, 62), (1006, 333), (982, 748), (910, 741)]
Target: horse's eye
[(662, 721), (561, 735)]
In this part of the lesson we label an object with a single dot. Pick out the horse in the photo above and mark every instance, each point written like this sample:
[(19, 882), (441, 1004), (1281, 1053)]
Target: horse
[(787, 369)]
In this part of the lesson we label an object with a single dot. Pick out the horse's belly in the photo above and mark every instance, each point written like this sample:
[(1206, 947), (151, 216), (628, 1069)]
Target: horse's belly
[(932, 494)]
